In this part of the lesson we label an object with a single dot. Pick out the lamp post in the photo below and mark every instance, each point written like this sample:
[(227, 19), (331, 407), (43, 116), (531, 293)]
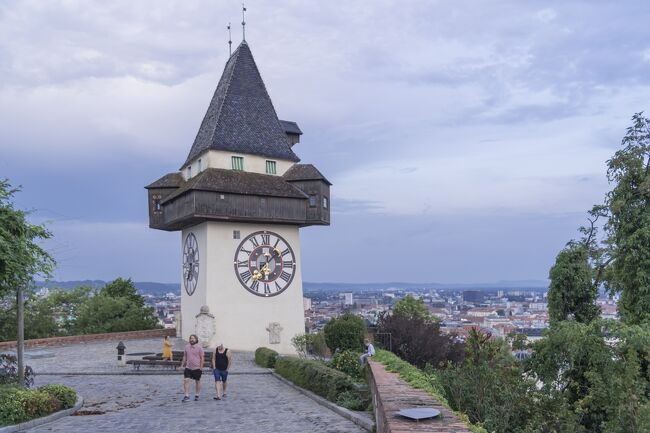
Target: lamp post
[(121, 359)]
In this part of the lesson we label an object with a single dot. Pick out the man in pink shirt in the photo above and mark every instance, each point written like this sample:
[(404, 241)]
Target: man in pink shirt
[(193, 362)]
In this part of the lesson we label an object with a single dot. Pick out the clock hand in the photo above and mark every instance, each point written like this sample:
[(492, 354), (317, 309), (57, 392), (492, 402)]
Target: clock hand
[(266, 270)]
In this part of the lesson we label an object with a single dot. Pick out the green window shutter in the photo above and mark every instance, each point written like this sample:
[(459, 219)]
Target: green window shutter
[(270, 167), (238, 163)]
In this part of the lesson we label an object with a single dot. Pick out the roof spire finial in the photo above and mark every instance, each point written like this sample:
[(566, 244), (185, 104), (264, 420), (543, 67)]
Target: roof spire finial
[(229, 41), (243, 21)]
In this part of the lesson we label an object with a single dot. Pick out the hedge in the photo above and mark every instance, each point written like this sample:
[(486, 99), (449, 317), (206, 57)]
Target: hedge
[(327, 382), (22, 404), (67, 396), (265, 357)]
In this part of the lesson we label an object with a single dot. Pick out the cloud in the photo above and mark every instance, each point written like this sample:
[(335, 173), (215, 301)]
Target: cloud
[(420, 112), (107, 250)]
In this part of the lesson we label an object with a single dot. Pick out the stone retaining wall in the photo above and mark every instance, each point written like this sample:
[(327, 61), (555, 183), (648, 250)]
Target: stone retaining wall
[(73, 339), (390, 394)]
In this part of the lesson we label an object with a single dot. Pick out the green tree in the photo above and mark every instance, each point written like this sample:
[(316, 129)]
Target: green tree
[(411, 308), (64, 306), (345, 332), (21, 257), (38, 319), (572, 293), (628, 227), (489, 386), (121, 288), (593, 378), (103, 313)]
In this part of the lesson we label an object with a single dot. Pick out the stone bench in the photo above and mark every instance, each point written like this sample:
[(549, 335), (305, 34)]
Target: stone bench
[(390, 394)]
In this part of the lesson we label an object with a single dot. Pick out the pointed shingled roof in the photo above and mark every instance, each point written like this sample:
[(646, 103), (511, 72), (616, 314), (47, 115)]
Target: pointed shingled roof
[(241, 117)]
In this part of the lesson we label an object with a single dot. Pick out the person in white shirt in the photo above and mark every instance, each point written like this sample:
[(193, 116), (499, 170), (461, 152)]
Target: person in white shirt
[(370, 351)]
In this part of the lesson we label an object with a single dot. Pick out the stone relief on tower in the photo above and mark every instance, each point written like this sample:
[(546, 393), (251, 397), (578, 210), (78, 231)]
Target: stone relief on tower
[(274, 329), (205, 326)]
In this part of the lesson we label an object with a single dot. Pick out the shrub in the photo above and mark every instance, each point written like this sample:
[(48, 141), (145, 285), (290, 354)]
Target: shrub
[(316, 345), (265, 357), (327, 382), (67, 396), (347, 362), (419, 341), (310, 344), (299, 342), (351, 400), (19, 404), (490, 386), (9, 371), (345, 332)]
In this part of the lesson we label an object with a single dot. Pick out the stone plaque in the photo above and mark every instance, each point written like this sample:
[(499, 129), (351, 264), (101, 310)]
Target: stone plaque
[(205, 326), (274, 330)]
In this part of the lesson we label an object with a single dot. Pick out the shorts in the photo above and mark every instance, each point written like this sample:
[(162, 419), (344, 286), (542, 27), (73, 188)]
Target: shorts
[(192, 374), (220, 375)]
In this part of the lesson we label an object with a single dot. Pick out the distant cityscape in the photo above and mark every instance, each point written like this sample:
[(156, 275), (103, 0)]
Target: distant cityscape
[(521, 310)]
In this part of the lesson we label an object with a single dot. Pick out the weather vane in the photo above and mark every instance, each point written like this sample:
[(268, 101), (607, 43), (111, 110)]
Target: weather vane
[(229, 41), (243, 21)]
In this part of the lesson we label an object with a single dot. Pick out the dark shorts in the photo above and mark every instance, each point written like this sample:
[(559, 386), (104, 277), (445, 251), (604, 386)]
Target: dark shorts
[(192, 374), (220, 375)]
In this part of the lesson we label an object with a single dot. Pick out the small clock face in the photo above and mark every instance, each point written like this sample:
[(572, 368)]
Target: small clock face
[(265, 263), (190, 263)]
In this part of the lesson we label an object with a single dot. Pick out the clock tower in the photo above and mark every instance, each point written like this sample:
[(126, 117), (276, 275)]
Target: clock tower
[(239, 200)]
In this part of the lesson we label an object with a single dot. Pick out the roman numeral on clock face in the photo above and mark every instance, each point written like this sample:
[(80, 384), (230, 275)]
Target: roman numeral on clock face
[(266, 239), (245, 276)]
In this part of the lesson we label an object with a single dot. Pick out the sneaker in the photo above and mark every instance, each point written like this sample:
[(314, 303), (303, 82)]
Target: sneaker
[(216, 398), (186, 398), (223, 396), (196, 398)]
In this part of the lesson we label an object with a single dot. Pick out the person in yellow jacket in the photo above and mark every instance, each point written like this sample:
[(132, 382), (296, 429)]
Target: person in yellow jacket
[(167, 349)]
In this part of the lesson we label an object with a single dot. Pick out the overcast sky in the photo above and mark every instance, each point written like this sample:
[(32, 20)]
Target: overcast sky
[(465, 139)]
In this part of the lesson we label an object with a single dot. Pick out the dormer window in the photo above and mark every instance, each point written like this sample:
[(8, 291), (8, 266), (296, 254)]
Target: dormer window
[(189, 172), (271, 167), (238, 163), (199, 170), (313, 200), (325, 202)]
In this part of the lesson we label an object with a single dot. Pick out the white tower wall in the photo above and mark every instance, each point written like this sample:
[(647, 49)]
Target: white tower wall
[(241, 318)]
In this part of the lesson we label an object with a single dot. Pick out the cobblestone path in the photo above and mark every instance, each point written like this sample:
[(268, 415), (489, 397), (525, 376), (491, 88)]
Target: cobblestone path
[(256, 402)]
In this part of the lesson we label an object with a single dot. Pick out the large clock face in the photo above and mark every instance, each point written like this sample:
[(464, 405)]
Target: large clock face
[(265, 263), (190, 263)]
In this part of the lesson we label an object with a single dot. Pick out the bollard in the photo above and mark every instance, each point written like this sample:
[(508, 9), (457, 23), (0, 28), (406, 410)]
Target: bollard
[(121, 359)]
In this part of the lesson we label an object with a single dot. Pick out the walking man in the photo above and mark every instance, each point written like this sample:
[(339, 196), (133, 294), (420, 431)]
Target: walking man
[(221, 362), (370, 351), (193, 363)]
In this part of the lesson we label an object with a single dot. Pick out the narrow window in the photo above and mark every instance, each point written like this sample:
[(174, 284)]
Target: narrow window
[(325, 202), (157, 207), (236, 234), (270, 167), (313, 201), (238, 163), (189, 171), (199, 170)]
